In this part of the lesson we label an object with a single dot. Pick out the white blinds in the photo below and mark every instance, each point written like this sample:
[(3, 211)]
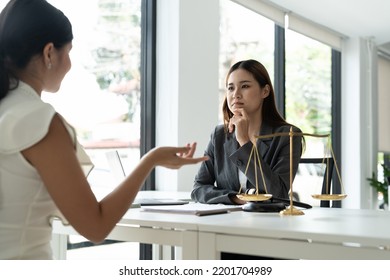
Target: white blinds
[(315, 31), (273, 13), (294, 22)]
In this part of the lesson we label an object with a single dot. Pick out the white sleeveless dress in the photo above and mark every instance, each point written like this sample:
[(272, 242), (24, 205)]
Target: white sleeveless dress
[(26, 207)]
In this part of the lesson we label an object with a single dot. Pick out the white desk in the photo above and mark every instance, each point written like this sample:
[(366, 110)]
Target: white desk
[(322, 233), (137, 226), (143, 227)]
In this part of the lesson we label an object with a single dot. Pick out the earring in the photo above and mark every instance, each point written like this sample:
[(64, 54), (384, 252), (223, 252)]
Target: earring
[(49, 66)]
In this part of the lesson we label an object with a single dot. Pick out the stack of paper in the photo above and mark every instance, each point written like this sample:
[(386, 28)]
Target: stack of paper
[(198, 209)]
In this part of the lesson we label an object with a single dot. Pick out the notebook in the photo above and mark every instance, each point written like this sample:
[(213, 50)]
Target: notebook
[(119, 174)]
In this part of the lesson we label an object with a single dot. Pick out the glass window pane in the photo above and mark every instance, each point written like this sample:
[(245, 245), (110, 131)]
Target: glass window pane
[(308, 104), (244, 34), (100, 96)]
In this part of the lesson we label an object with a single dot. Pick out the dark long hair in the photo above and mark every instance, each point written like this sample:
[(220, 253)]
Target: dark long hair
[(270, 113), (26, 26)]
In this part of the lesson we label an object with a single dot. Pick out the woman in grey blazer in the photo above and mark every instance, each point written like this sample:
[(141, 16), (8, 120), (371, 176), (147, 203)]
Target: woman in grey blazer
[(249, 109)]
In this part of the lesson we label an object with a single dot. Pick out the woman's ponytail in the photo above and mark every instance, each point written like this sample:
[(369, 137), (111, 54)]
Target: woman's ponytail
[(4, 78), (4, 74)]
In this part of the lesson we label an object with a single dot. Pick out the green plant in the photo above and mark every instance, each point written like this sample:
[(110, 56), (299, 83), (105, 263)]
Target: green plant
[(382, 187)]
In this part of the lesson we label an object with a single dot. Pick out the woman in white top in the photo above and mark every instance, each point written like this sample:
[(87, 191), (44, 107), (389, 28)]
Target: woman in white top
[(40, 170)]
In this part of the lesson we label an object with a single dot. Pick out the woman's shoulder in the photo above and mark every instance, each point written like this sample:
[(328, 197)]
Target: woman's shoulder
[(219, 131), (286, 128), (220, 128), (25, 119)]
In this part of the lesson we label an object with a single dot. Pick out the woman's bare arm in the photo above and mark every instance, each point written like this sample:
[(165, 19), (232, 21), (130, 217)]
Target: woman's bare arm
[(55, 159)]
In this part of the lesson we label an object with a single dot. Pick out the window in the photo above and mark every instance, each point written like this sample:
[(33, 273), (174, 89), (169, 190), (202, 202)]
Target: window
[(305, 95), (244, 35), (309, 104), (100, 96)]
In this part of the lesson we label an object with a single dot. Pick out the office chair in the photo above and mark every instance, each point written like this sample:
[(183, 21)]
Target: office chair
[(327, 187)]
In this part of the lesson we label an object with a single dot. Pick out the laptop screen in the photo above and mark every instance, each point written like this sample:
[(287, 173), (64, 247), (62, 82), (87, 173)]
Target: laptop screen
[(119, 174)]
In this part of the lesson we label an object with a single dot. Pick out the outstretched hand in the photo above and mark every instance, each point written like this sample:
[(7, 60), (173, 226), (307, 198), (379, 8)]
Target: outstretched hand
[(176, 157)]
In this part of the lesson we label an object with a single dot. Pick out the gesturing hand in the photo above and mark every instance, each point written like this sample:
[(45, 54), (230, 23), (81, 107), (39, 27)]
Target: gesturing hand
[(176, 157)]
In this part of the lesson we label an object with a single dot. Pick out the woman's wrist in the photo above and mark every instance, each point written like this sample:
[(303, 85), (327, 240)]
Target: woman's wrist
[(235, 200)]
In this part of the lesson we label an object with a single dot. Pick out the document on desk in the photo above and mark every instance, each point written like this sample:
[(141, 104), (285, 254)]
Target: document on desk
[(198, 209)]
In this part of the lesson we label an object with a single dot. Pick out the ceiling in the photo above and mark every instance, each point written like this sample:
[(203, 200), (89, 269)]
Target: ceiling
[(353, 18)]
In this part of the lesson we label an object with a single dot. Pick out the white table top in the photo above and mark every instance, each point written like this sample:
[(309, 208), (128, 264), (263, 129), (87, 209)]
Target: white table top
[(136, 216), (365, 227), (335, 225)]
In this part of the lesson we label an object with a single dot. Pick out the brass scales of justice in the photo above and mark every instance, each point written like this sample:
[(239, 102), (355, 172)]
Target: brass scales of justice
[(290, 210)]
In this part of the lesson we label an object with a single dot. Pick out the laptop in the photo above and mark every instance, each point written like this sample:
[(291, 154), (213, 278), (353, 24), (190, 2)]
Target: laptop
[(119, 174)]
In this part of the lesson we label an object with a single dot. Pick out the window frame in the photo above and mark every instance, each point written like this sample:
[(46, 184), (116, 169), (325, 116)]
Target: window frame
[(148, 83), (148, 97)]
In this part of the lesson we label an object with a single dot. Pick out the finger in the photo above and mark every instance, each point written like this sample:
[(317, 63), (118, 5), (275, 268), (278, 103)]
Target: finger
[(238, 111), (191, 152), (180, 151), (186, 161), (194, 160), (184, 154)]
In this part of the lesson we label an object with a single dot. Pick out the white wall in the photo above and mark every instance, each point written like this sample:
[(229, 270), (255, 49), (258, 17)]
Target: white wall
[(187, 81)]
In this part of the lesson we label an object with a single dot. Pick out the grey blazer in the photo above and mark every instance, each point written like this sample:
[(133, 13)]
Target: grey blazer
[(218, 178)]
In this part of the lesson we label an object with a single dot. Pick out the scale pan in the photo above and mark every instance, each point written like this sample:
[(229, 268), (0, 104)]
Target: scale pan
[(254, 197), (329, 196)]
